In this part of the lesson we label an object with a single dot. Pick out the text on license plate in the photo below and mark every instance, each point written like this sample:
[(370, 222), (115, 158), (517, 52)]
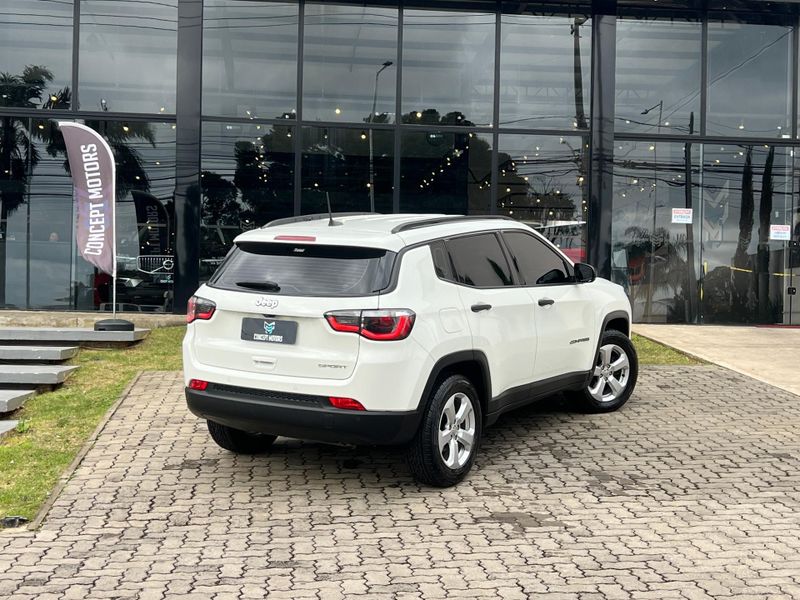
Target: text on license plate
[(269, 330)]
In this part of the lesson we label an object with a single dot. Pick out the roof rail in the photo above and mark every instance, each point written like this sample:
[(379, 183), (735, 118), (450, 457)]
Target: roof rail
[(447, 219), (314, 217)]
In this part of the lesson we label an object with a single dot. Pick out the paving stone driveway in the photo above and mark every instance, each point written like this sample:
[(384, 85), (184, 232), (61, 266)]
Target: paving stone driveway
[(691, 491)]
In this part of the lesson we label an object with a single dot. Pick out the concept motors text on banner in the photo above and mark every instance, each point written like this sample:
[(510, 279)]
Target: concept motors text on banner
[(93, 176)]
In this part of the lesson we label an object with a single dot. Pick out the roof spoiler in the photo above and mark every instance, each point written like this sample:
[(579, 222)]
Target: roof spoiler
[(315, 217)]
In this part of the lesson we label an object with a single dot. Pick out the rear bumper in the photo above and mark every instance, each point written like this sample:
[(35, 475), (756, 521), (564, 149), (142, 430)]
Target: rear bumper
[(300, 416)]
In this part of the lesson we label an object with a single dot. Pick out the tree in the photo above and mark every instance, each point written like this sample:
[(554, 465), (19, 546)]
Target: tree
[(741, 260), (18, 155), (762, 256)]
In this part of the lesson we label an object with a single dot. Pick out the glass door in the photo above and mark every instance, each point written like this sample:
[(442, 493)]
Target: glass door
[(655, 229), (747, 229)]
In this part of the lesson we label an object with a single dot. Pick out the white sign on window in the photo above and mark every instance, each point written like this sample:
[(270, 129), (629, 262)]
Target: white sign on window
[(682, 215), (780, 232)]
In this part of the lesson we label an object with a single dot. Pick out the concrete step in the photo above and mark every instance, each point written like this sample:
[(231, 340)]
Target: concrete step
[(6, 426), (71, 335), (37, 353), (13, 399), (33, 375)]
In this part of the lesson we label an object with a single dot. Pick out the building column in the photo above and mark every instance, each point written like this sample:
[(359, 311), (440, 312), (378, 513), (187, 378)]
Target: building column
[(601, 179), (187, 153)]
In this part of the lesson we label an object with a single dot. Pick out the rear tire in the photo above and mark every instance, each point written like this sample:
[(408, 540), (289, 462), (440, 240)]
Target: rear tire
[(444, 448), (614, 375), (239, 442)]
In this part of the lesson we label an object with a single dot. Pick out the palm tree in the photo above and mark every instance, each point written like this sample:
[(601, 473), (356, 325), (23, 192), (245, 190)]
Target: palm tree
[(762, 256), (18, 155)]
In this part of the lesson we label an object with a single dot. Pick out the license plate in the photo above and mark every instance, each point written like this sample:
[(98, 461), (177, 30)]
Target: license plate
[(269, 330)]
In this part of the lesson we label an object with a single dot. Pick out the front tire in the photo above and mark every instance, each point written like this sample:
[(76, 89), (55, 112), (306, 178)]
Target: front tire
[(239, 442), (444, 449), (614, 375)]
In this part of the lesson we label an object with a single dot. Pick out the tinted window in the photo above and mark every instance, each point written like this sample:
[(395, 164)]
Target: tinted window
[(756, 58), (351, 168), (444, 171), (349, 56), (128, 56), (36, 53), (306, 270), (658, 76), (479, 261), (543, 52), (537, 263), (441, 261), (250, 58), (448, 66)]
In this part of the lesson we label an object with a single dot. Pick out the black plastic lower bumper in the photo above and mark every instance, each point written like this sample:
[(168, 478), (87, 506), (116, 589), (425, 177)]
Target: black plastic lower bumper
[(300, 416)]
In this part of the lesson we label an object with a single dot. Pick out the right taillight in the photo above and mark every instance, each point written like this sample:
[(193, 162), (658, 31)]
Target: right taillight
[(199, 309), (381, 325)]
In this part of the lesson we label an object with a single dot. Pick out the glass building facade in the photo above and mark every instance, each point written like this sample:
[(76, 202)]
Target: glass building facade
[(653, 139)]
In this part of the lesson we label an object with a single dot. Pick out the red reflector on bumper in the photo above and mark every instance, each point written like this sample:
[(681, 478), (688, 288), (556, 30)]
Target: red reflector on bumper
[(346, 403), (198, 384)]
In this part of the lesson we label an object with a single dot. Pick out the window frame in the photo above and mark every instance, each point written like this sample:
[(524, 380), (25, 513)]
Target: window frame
[(515, 281), (570, 270)]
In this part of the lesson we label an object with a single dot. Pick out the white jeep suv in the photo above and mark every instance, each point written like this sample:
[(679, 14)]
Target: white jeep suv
[(418, 330)]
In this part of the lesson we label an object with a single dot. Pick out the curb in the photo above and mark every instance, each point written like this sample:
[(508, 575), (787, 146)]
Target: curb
[(70, 470)]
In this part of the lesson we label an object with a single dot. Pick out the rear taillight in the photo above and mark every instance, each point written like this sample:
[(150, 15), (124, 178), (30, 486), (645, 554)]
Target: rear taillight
[(199, 309), (383, 325)]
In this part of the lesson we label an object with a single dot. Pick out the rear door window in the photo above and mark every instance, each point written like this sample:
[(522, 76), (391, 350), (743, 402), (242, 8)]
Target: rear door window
[(306, 270), (479, 261)]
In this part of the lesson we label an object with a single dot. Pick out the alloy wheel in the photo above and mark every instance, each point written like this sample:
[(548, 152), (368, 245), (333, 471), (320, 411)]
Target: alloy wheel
[(456, 434), (611, 373)]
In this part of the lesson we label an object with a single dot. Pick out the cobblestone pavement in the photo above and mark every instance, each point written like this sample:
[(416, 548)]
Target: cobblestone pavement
[(691, 491)]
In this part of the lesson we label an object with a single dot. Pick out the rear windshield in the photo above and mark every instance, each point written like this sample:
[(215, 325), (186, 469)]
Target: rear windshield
[(305, 270)]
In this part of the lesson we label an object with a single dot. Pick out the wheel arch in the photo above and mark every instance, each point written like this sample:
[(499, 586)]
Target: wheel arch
[(618, 320), (472, 364)]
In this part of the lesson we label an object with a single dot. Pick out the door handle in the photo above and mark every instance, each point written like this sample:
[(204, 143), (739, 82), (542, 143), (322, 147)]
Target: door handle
[(546, 301), (480, 306)]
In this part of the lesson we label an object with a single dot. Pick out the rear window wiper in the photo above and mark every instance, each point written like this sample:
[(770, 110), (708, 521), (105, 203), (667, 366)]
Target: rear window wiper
[(267, 286)]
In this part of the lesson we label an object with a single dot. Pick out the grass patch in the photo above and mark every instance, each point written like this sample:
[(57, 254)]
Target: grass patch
[(54, 426), (653, 353)]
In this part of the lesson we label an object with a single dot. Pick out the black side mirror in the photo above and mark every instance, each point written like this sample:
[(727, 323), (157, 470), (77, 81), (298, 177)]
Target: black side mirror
[(584, 273)]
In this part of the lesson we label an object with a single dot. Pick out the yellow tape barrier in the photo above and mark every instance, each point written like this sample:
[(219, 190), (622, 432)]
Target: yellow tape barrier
[(705, 271)]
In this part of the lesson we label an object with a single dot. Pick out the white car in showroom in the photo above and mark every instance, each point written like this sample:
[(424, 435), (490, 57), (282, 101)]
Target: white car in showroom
[(416, 330)]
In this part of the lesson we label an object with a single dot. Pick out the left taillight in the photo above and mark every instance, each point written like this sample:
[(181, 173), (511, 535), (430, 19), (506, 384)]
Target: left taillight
[(379, 325), (199, 309)]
